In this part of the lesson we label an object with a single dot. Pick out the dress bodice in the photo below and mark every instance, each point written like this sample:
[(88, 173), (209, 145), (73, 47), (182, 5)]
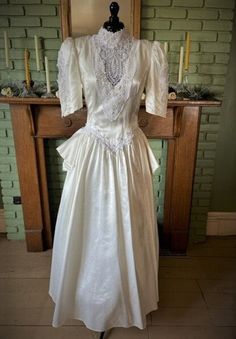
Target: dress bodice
[(113, 69)]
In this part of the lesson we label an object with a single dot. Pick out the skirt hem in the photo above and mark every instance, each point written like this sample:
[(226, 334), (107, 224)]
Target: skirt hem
[(141, 327)]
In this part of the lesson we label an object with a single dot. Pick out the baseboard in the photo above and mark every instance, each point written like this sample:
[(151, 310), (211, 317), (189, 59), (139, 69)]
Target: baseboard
[(221, 223)]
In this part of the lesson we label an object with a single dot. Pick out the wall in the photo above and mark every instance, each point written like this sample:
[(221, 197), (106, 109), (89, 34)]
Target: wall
[(224, 184), (210, 25)]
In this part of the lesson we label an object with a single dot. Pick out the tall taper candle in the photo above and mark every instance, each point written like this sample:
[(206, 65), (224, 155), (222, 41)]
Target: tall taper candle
[(187, 51), (6, 49), (47, 75), (36, 43), (27, 68), (181, 59), (166, 47)]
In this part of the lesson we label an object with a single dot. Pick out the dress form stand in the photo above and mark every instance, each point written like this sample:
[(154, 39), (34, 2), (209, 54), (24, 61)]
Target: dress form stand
[(102, 335), (113, 25)]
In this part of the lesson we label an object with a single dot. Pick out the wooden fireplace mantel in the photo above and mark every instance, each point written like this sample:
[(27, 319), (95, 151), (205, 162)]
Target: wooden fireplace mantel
[(34, 119)]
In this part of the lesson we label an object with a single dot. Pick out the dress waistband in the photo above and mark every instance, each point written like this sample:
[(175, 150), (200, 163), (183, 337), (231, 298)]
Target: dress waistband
[(113, 144)]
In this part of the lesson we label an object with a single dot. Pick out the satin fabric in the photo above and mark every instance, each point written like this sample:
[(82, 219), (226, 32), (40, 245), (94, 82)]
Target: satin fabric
[(105, 258)]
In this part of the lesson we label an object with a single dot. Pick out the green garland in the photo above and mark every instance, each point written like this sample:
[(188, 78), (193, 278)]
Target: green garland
[(16, 88), (179, 91), (195, 92)]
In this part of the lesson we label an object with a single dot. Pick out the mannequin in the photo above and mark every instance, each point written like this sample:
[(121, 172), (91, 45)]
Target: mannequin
[(113, 25), (100, 260)]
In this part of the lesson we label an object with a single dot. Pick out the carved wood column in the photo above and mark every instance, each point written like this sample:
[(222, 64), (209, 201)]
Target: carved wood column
[(27, 164), (181, 160)]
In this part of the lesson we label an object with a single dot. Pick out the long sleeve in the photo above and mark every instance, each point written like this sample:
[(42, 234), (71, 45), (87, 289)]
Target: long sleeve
[(69, 80), (157, 81)]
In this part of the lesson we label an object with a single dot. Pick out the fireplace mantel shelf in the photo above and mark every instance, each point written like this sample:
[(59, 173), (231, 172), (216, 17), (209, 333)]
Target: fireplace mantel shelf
[(56, 101), (35, 119)]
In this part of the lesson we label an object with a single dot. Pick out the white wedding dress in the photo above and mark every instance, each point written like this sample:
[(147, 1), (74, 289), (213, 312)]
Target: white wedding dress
[(105, 255)]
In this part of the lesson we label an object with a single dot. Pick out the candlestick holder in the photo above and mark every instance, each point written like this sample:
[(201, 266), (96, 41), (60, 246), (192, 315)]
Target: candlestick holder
[(185, 77), (48, 95), (28, 89), (179, 87)]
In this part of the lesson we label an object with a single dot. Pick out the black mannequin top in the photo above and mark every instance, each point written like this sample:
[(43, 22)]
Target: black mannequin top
[(113, 24)]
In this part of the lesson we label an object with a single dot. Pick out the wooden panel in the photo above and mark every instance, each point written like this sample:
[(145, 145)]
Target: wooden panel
[(28, 175), (49, 123), (179, 241), (183, 174), (155, 126), (65, 18), (165, 242), (56, 101), (47, 227), (66, 24), (136, 18), (30, 101)]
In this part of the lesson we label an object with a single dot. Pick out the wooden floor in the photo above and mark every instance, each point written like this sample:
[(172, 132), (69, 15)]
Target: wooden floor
[(197, 296)]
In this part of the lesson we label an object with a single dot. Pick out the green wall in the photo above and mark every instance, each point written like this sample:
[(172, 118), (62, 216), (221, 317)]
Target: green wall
[(210, 25), (224, 185)]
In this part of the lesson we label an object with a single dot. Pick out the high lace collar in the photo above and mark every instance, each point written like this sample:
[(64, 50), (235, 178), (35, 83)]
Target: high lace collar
[(110, 39), (114, 69)]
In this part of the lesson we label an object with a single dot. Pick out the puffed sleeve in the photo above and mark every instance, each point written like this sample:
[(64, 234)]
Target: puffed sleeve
[(68, 79), (156, 98)]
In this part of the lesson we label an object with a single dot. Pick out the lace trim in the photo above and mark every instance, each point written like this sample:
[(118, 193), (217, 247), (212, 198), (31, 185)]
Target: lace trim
[(113, 69), (112, 144)]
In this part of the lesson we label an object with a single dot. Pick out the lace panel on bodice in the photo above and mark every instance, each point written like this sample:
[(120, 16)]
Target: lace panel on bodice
[(114, 69), (112, 144)]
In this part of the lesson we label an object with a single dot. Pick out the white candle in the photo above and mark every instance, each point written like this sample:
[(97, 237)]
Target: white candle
[(166, 47), (6, 49), (47, 75), (181, 59), (37, 52)]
